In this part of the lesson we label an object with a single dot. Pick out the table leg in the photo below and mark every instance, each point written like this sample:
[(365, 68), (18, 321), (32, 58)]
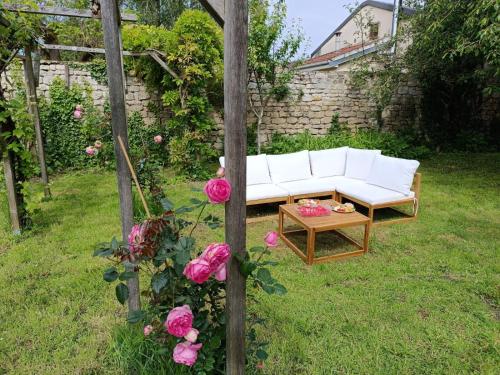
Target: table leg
[(311, 240), (366, 238), (280, 221)]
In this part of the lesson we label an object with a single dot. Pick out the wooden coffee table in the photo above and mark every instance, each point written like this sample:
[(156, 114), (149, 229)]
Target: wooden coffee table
[(313, 225)]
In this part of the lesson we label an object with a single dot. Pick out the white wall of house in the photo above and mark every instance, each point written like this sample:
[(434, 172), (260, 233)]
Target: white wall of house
[(350, 32)]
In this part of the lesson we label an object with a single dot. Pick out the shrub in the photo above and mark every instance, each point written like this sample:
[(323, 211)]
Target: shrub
[(390, 144), (67, 137)]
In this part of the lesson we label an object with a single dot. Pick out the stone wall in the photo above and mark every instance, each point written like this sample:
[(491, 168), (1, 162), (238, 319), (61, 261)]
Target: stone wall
[(138, 99), (318, 95)]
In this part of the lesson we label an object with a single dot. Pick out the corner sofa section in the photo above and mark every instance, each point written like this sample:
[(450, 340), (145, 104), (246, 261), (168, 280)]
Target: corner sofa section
[(365, 177)]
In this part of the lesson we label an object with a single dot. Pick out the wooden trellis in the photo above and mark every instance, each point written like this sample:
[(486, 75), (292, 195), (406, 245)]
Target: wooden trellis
[(233, 16)]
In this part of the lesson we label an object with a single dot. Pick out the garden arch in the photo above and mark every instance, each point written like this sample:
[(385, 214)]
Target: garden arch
[(233, 16)]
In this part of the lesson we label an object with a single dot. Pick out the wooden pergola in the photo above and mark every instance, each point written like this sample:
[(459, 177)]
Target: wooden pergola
[(232, 15)]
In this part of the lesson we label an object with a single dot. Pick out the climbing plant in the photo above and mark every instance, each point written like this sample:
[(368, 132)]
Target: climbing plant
[(193, 50)]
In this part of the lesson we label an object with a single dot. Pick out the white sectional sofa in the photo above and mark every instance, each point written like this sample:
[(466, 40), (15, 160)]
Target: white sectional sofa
[(365, 177)]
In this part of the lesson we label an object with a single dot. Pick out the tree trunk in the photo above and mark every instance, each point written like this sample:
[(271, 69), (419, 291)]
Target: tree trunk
[(259, 140)]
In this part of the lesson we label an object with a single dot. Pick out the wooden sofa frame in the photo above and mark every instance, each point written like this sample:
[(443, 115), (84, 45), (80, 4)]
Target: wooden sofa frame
[(372, 207), (340, 197)]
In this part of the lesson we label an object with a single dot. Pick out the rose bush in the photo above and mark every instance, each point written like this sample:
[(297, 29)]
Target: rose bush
[(185, 311)]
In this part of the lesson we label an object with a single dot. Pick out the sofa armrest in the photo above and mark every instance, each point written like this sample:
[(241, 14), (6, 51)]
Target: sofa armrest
[(415, 187)]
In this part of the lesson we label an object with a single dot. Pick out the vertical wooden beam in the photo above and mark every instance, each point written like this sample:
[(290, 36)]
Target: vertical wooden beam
[(33, 108), (110, 23), (235, 143)]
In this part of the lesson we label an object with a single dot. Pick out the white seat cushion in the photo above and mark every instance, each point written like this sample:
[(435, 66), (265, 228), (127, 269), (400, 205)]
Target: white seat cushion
[(393, 173), (289, 167), (371, 194), (359, 163), (257, 169), (310, 186), (265, 191), (328, 163)]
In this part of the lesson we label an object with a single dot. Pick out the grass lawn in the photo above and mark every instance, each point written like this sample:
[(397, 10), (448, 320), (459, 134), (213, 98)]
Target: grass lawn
[(426, 299)]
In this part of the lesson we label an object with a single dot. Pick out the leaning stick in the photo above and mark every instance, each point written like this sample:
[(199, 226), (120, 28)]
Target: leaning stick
[(132, 172)]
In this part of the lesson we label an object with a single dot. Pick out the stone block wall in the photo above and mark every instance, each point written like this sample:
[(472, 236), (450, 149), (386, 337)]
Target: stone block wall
[(137, 98), (318, 95)]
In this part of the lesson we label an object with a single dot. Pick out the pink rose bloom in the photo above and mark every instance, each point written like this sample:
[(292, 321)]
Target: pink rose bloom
[(186, 353), (135, 239), (90, 151), (216, 254), (271, 239), (220, 172), (147, 330), (77, 114), (98, 144), (218, 190), (220, 274), (198, 270), (192, 335), (158, 139), (179, 321)]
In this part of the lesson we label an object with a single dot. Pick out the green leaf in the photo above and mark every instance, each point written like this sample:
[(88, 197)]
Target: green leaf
[(159, 281), (104, 252), (127, 275), (167, 204), (114, 244), (135, 316), (280, 289), (196, 201), (121, 293), (261, 354), (247, 268), (264, 275), (110, 275), (268, 288), (257, 249)]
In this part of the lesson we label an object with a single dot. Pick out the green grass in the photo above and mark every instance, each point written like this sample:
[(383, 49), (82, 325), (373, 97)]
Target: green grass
[(424, 300)]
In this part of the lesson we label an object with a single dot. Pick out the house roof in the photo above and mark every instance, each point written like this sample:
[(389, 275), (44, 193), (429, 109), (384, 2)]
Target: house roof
[(332, 55), (373, 3)]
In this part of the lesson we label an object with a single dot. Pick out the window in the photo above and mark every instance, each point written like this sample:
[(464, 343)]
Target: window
[(373, 30)]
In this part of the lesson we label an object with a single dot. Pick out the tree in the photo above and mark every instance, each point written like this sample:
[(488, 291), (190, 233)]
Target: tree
[(161, 12), (272, 51)]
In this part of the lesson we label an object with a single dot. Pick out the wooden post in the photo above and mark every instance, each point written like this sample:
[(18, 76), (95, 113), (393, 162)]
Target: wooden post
[(235, 143), (110, 23), (33, 108)]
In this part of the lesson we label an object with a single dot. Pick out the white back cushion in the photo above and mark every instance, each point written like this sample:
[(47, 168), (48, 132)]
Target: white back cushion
[(393, 173), (359, 162), (289, 167), (257, 169), (328, 163)]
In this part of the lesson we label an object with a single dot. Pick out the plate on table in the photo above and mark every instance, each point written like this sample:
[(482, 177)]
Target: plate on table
[(346, 208)]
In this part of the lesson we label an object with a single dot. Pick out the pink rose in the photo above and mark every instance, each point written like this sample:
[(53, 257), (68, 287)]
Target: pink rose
[(186, 353), (136, 239), (198, 270), (218, 190), (271, 239), (192, 335), (220, 274), (158, 139), (179, 321), (220, 172), (90, 151), (216, 254), (147, 330), (98, 144), (77, 114)]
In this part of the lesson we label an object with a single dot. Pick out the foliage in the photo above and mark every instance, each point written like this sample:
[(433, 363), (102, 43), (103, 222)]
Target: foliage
[(272, 61), (164, 250), (455, 57), (390, 144), (161, 12), (193, 50), (66, 137), (451, 48)]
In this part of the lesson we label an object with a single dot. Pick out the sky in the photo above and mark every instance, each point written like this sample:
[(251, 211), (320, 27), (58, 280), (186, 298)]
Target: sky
[(318, 18)]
